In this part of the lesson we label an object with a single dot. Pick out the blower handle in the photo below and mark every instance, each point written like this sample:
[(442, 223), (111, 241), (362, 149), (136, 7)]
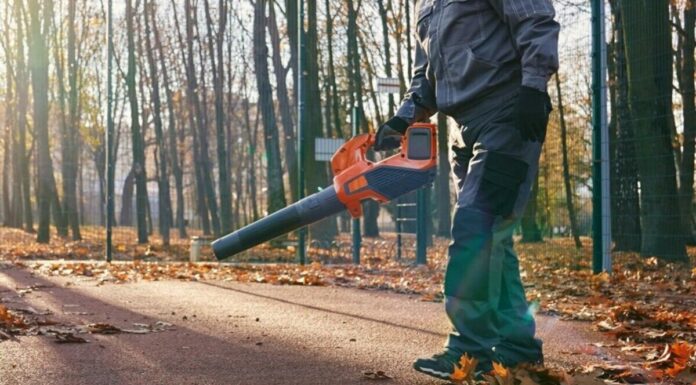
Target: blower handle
[(350, 164)]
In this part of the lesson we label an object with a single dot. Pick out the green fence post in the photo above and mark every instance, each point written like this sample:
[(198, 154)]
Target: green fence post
[(398, 229), (357, 236), (301, 121), (421, 227), (601, 218)]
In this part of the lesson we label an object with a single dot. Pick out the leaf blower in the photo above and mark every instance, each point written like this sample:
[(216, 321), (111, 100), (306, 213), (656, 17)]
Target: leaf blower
[(356, 179)]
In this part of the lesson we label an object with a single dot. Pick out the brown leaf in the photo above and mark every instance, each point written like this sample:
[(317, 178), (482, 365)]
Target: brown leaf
[(69, 338), (9, 320), (103, 328), (376, 376), (681, 355)]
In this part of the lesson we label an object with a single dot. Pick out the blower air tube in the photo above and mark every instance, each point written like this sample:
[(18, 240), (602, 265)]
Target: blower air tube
[(305, 212)]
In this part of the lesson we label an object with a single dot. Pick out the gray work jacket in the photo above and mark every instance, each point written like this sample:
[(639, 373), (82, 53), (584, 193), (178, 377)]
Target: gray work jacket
[(474, 52)]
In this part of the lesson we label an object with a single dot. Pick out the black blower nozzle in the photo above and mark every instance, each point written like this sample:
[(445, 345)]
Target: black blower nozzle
[(307, 211)]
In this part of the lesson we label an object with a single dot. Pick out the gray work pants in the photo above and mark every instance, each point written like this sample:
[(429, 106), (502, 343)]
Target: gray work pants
[(493, 169)]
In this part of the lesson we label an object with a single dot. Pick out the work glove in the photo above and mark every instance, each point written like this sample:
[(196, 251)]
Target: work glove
[(389, 134), (533, 108)]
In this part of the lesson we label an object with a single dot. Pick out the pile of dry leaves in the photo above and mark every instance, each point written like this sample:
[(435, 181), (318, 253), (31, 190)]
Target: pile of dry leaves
[(649, 306)]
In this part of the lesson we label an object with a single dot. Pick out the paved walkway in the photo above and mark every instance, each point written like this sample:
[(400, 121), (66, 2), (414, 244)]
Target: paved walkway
[(231, 333)]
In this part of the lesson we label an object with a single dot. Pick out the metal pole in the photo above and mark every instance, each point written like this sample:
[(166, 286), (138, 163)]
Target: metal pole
[(606, 156), (357, 236), (421, 228), (109, 132), (301, 122), (398, 228), (601, 258)]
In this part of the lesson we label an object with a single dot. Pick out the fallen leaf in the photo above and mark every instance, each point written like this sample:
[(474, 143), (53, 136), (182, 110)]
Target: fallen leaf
[(377, 375), (464, 370), (102, 328), (69, 338)]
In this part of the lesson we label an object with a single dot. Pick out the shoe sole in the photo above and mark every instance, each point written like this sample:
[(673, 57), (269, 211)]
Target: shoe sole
[(433, 373)]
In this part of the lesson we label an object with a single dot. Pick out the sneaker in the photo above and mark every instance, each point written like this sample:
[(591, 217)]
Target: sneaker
[(440, 365)]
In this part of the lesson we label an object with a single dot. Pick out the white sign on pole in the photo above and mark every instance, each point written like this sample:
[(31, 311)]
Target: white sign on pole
[(325, 148), (388, 85)]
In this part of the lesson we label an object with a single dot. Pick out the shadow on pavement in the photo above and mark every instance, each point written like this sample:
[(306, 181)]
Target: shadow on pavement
[(331, 311), (182, 356)]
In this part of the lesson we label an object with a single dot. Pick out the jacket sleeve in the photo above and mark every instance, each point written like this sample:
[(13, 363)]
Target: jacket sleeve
[(535, 32), (419, 103)]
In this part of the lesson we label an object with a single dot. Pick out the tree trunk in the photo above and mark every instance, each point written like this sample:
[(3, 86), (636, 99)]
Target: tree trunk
[(648, 47), (626, 226), (369, 69), (99, 158), (38, 51), (284, 104), (139, 171), (355, 87), (251, 156), (22, 184), (11, 176), (194, 113), (399, 47), (383, 16), (315, 172), (215, 47), (334, 101), (566, 167), (194, 34), (172, 136), (409, 44), (7, 217), (164, 204), (274, 172), (71, 131), (686, 172), (531, 233), (201, 205), (293, 36)]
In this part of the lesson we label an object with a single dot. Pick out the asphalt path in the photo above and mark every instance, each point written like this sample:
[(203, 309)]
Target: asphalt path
[(233, 333)]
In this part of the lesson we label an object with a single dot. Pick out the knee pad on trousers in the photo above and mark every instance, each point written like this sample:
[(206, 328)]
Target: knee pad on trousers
[(468, 269), (500, 183)]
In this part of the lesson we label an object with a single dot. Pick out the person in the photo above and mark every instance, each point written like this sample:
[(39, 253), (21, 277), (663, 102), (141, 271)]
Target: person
[(486, 64)]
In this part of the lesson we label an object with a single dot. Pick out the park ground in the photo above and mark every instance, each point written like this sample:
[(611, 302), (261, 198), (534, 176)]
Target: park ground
[(153, 320)]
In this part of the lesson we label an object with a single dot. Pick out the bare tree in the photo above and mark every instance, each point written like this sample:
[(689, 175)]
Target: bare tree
[(274, 172), (165, 205), (284, 104), (71, 131), (566, 166), (216, 49), (39, 22), (173, 138), (137, 141)]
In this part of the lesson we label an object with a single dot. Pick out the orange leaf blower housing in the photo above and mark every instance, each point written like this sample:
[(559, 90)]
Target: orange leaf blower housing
[(356, 179)]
